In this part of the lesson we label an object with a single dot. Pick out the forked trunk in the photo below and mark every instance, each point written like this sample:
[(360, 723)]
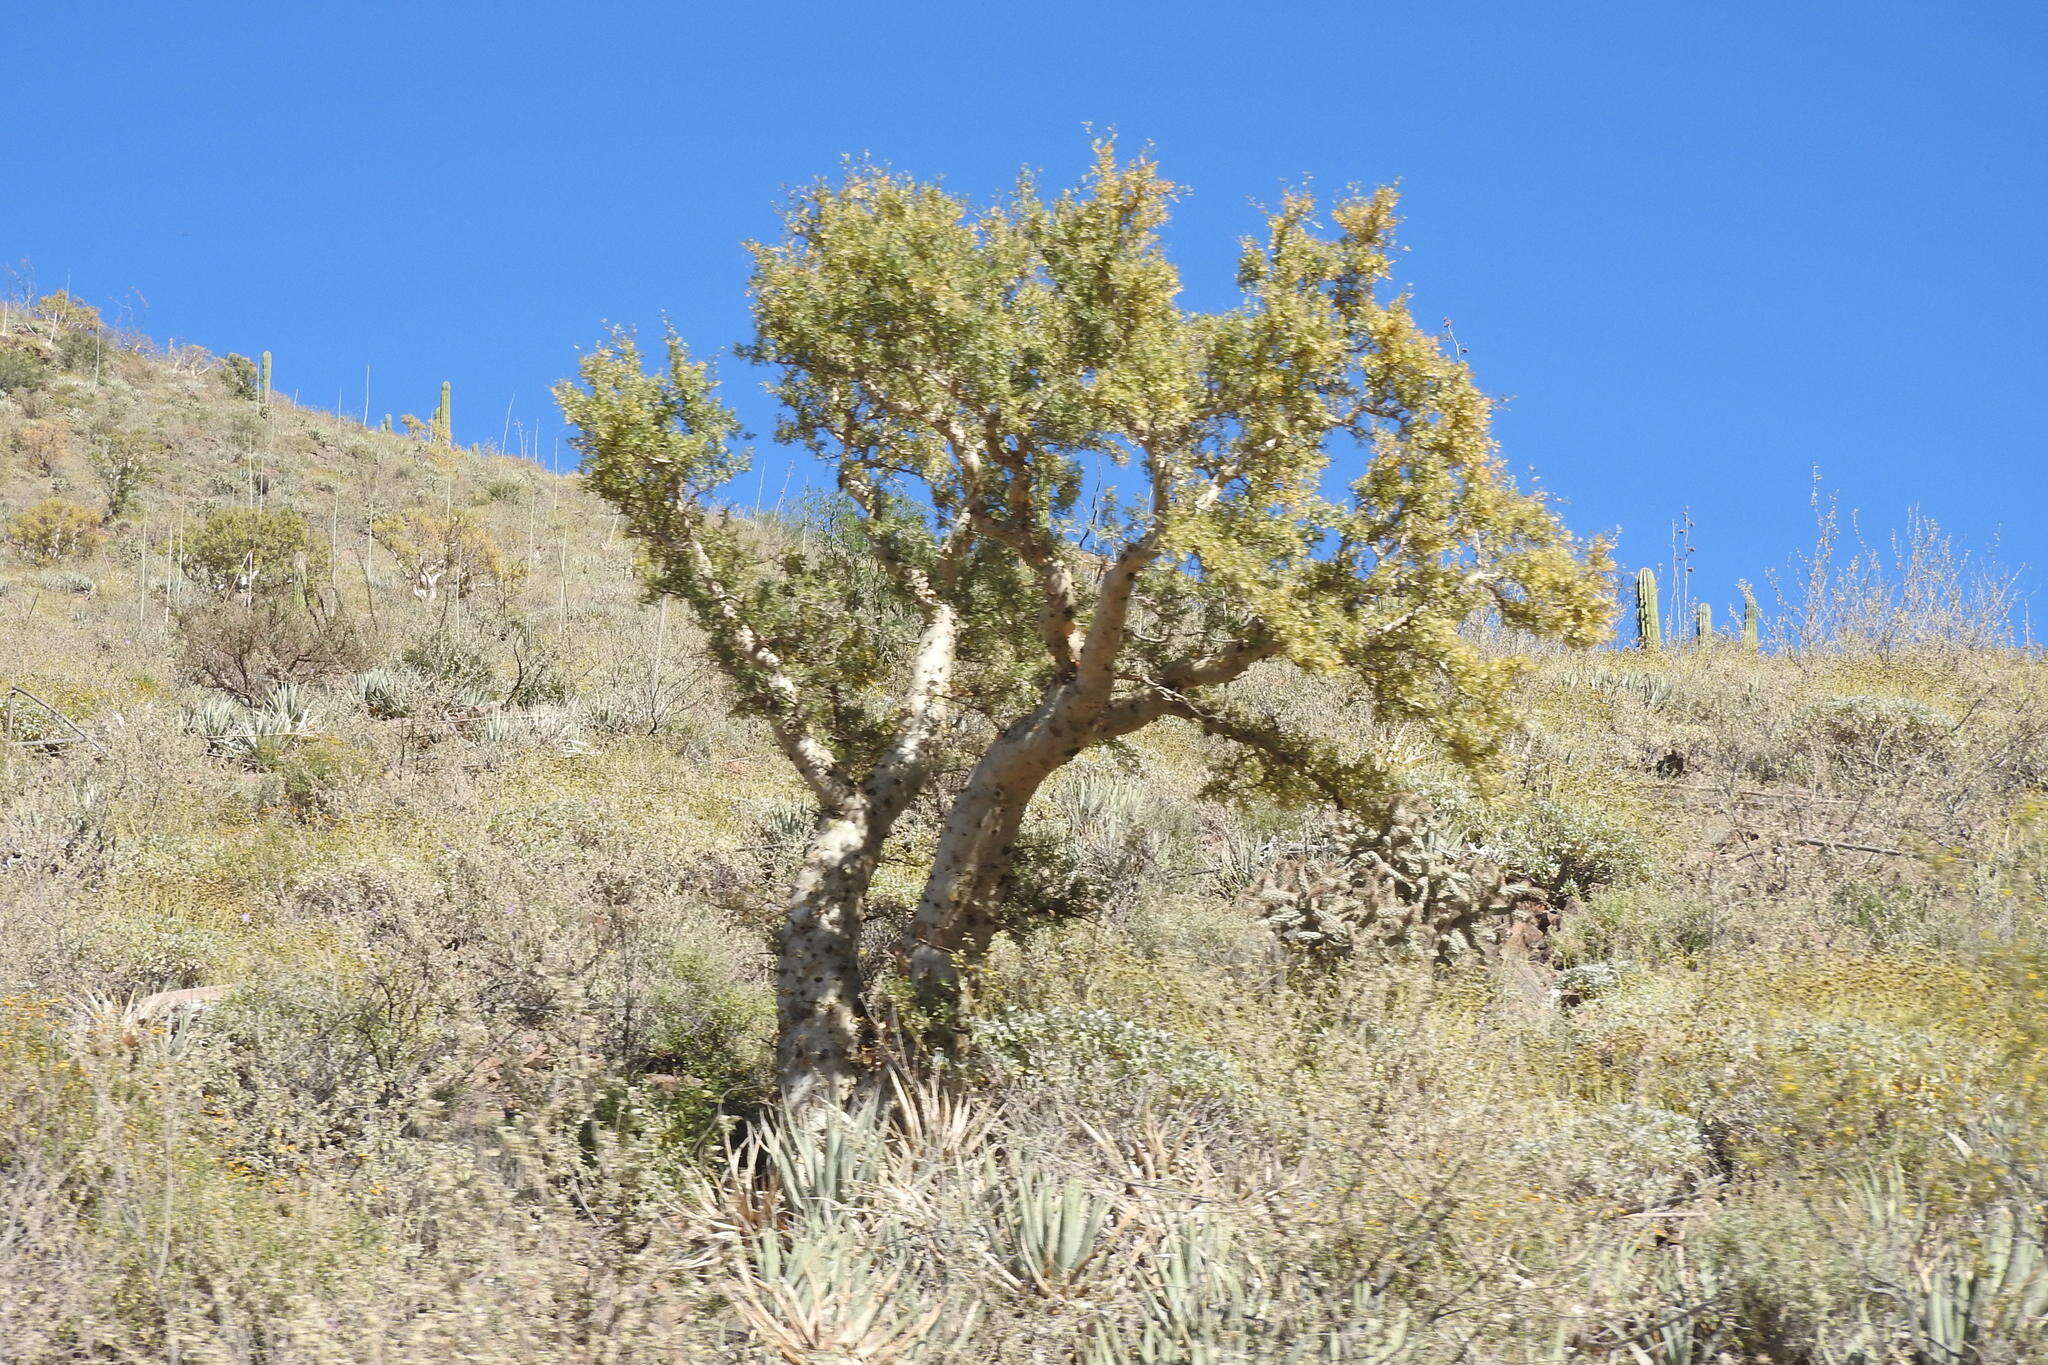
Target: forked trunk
[(824, 1036)]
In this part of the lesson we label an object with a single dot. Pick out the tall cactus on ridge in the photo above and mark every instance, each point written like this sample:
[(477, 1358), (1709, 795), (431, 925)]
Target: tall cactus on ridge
[(1752, 622), (266, 379), (1703, 624), (1649, 630), (444, 416)]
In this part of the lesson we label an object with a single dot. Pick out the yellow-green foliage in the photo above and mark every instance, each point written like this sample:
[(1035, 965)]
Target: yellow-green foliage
[(454, 554), (254, 550), (68, 311), (955, 361), (55, 531)]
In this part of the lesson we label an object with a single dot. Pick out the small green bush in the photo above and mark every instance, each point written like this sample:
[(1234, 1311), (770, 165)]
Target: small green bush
[(1574, 847), (81, 352), (253, 551), (22, 371), (310, 772), (55, 530), (1103, 1057), (238, 372), (451, 657)]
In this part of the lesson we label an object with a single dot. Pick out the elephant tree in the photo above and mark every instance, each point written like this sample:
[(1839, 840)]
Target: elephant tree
[(1306, 478)]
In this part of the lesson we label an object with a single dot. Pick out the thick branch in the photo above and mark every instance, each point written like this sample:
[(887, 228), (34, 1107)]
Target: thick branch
[(1167, 692), (763, 678), (897, 775)]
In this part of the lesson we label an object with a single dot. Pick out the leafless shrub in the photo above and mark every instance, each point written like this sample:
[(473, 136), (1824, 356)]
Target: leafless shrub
[(247, 648), (1920, 590)]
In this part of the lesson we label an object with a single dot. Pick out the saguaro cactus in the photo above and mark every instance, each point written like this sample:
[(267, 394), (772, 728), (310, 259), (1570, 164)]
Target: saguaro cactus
[(444, 416), (1752, 621), (266, 379), (1649, 631), (1703, 624)]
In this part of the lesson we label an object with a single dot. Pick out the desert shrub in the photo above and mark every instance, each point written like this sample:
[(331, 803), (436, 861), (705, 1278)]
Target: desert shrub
[(21, 371), (80, 352), (706, 1052), (1099, 1056), (240, 375), (1573, 847), (1624, 1156), (540, 676), (1649, 923), (126, 462), (55, 530), (254, 550), (453, 658), (68, 311), (452, 554), (309, 773), (1872, 734), (43, 443), (1919, 593), (305, 771), (247, 648)]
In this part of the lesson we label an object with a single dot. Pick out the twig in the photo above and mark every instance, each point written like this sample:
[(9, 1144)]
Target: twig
[(1753, 792), (70, 724), (1850, 848)]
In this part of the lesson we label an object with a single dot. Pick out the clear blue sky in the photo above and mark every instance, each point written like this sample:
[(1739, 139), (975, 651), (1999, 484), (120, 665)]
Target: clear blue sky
[(1703, 247)]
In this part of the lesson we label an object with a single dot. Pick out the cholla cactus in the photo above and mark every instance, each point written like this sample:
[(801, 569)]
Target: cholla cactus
[(1403, 885)]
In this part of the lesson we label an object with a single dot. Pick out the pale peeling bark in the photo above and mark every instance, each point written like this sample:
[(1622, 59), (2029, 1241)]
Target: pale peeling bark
[(773, 687), (823, 1033), (955, 921), (821, 1022)]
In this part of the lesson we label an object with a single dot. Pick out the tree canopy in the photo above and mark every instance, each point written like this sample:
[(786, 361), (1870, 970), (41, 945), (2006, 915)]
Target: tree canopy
[(1092, 507)]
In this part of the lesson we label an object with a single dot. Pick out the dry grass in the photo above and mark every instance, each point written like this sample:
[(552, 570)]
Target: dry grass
[(487, 1080)]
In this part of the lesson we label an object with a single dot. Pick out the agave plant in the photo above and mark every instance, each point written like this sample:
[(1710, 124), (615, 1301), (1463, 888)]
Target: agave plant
[(818, 1294), (1983, 1299), (386, 694), (232, 730), (1054, 1229), (818, 1170)]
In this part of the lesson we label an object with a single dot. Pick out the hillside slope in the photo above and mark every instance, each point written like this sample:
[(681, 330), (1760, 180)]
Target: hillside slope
[(477, 910)]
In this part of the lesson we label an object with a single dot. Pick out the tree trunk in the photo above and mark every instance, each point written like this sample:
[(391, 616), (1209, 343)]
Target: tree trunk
[(824, 1036), (955, 920), (822, 1029)]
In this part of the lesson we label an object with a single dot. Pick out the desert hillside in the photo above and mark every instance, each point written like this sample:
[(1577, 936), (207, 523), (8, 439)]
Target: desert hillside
[(389, 895)]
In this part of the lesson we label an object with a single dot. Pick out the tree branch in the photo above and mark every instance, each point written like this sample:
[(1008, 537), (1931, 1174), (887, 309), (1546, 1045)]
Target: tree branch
[(763, 677)]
